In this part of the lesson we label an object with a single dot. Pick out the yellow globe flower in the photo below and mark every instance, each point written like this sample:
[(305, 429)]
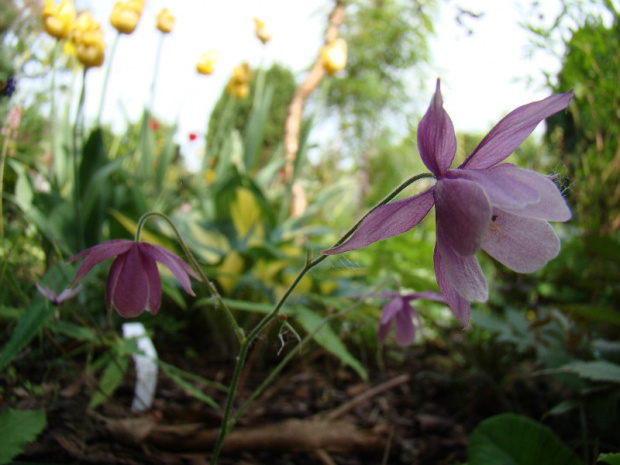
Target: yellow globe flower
[(165, 21), (87, 36), (125, 15), (239, 83), (261, 31), (334, 56), (206, 62), (58, 19)]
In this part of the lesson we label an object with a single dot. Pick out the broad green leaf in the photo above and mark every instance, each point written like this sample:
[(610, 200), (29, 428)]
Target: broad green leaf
[(598, 370), (510, 439), (32, 319), (328, 339), (112, 376), (610, 459), (18, 428)]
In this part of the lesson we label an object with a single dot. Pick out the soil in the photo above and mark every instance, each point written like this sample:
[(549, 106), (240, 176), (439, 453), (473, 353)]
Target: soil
[(419, 409)]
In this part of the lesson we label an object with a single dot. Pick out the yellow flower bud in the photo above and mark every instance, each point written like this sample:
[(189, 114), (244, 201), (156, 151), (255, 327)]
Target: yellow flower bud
[(58, 19), (262, 31), (239, 84), (206, 62), (125, 15), (165, 21), (87, 36), (334, 56)]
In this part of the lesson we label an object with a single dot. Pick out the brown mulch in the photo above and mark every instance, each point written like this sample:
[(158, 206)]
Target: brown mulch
[(417, 411)]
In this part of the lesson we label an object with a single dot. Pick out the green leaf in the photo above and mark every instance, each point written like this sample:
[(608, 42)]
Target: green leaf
[(18, 428), (328, 339), (112, 376), (27, 327), (197, 393), (598, 370), (610, 459), (510, 439), (74, 331)]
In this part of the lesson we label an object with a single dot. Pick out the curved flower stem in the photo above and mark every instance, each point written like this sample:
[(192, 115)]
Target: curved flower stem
[(238, 330), (227, 423), (106, 78)]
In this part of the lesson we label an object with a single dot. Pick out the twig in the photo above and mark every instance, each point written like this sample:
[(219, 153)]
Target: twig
[(344, 408)]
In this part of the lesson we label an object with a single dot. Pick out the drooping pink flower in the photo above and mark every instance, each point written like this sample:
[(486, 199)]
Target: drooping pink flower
[(482, 204), (133, 283), (399, 312), (50, 295)]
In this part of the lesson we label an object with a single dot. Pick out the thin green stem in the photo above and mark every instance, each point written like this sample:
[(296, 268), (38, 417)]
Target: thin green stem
[(5, 149), (77, 127), (53, 117), (160, 46), (238, 330), (227, 423), (106, 77)]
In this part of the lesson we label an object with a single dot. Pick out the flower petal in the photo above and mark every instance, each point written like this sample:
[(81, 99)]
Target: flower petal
[(512, 130), (502, 189), (551, 205), (522, 244), (404, 328), (133, 284), (391, 309), (179, 268), (387, 221), (463, 214), (436, 137), (460, 307), (463, 273), (426, 295), (97, 254)]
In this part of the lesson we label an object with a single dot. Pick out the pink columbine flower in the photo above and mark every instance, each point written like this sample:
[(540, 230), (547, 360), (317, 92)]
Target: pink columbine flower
[(482, 204), (400, 313), (133, 283), (50, 295)]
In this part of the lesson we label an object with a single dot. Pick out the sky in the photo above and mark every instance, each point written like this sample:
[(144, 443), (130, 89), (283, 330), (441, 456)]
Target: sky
[(482, 74)]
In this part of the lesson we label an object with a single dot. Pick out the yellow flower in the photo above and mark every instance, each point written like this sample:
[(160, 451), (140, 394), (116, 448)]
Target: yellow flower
[(125, 15), (239, 84), (334, 56), (87, 36), (58, 19), (165, 21), (262, 31), (206, 62)]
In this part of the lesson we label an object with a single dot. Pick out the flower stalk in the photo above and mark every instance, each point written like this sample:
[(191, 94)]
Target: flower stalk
[(227, 422)]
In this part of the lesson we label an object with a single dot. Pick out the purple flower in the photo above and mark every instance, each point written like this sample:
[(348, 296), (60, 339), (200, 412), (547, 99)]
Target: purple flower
[(60, 298), (133, 282), (399, 312), (482, 204)]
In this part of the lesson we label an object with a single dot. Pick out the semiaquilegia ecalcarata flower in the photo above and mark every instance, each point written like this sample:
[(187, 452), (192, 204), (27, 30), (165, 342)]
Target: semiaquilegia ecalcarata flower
[(133, 283), (482, 204), (399, 312)]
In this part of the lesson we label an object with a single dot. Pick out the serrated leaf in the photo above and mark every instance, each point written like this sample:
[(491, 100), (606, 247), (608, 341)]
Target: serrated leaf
[(598, 370), (609, 459), (18, 428), (510, 439)]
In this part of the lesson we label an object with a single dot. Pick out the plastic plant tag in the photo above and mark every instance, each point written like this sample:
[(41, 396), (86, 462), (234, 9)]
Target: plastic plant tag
[(146, 366)]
